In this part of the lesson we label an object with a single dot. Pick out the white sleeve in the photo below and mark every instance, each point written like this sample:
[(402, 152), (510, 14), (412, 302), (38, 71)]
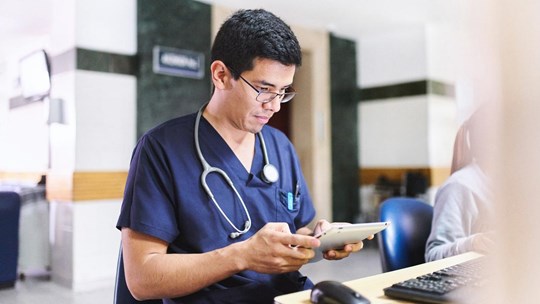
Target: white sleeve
[(454, 214)]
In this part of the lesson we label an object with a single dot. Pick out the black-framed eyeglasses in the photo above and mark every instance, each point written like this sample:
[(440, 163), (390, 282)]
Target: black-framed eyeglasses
[(265, 97)]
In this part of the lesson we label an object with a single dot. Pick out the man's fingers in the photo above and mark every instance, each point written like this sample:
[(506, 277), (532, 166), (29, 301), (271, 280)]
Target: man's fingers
[(344, 252), (280, 227), (298, 240), (356, 247), (281, 233), (303, 254)]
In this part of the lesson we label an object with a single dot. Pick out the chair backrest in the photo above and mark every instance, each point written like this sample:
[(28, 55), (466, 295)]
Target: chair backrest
[(403, 243), (10, 209), (122, 295)]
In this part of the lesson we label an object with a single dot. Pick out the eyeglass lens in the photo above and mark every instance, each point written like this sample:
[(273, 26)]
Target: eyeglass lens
[(269, 96)]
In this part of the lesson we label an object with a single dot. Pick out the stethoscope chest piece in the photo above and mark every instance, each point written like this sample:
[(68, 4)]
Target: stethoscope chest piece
[(270, 174)]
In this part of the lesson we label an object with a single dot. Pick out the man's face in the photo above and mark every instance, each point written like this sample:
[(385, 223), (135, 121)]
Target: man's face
[(246, 112)]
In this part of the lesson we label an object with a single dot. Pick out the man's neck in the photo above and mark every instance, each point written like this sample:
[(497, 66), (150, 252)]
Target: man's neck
[(241, 142)]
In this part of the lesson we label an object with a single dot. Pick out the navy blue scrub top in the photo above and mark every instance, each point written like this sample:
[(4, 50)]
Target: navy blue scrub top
[(164, 198)]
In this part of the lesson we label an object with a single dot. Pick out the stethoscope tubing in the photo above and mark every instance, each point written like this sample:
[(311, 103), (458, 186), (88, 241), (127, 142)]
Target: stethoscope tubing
[(207, 169)]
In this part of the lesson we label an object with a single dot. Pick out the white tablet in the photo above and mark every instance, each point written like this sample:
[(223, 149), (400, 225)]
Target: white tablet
[(340, 235)]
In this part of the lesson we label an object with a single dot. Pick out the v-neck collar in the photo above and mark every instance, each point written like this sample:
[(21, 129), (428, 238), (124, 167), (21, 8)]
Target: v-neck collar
[(219, 154)]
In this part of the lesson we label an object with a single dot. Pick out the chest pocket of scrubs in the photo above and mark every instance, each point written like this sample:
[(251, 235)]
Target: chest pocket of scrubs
[(288, 205)]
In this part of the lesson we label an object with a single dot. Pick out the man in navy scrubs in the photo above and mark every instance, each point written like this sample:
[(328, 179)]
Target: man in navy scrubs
[(237, 242)]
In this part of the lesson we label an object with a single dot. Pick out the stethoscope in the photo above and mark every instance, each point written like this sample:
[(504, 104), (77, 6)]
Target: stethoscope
[(269, 175)]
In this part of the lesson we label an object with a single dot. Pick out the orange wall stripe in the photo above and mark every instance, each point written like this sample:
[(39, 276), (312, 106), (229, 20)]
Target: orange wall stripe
[(85, 186), (98, 185), (21, 176), (59, 186)]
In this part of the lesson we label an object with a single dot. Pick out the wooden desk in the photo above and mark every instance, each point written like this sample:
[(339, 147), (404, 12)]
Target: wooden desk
[(372, 287)]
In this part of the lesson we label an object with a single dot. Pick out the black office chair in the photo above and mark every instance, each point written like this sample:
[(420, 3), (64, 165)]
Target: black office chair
[(122, 295), (403, 243), (10, 210)]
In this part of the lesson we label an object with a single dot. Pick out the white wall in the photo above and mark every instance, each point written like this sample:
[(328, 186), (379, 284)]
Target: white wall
[(23, 130), (393, 132), (441, 127), (98, 26), (458, 53), (441, 52), (414, 131), (24, 137), (392, 56), (106, 121), (63, 26), (62, 136), (99, 136)]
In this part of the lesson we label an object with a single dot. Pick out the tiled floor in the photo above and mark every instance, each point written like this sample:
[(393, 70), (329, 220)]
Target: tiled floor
[(32, 290)]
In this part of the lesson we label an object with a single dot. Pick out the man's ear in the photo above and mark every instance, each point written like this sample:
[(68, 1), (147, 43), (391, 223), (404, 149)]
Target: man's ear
[(220, 74)]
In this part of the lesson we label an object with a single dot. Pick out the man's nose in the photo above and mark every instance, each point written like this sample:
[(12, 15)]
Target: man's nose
[(274, 105)]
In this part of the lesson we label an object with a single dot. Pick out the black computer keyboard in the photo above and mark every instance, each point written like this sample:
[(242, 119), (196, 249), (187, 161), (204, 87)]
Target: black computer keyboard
[(442, 286)]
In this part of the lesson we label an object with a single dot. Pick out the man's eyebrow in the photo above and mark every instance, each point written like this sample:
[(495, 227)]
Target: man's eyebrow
[(268, 84)]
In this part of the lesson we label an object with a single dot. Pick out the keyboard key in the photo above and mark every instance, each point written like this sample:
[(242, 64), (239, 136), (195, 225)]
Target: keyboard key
[(436, 286)]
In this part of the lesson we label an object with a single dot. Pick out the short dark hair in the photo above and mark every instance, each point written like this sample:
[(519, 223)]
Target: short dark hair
[(250, 34)]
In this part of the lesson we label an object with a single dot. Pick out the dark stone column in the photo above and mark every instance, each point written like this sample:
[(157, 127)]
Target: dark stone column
[(178, 24), (344, 101)]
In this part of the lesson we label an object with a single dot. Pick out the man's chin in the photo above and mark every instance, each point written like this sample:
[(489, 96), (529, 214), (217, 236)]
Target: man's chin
[(255, 128)]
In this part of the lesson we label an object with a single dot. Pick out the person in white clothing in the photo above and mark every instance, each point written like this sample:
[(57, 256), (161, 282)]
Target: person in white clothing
[(464, 204)]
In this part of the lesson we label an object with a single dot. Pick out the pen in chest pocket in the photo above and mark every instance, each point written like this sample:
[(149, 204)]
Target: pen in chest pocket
[(290, 201), (291, 198)]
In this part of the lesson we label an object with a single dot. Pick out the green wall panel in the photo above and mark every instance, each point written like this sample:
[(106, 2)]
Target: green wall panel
[(181, 24), (344, 100)]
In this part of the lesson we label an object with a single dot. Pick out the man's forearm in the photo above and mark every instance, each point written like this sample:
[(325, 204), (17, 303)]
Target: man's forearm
[(176, 275), (151, 273)]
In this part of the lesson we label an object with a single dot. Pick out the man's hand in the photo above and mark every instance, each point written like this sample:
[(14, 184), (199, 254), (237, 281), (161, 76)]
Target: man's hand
[(323, 225), (273, 249)]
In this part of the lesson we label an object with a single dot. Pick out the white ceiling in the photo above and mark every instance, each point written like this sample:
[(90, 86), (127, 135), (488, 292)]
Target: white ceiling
[(346, 18), (28, 17), (352, 18)]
